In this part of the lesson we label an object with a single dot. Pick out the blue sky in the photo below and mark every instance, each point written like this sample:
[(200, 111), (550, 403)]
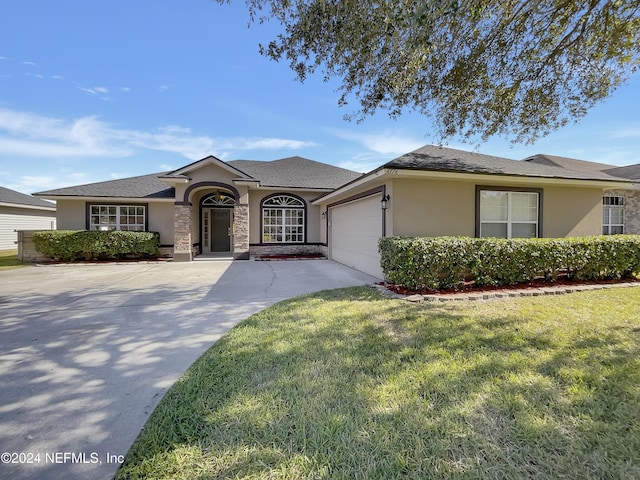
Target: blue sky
[(93, 91)]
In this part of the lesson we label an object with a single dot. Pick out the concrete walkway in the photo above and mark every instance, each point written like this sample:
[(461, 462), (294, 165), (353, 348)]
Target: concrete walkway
[(87, 352)]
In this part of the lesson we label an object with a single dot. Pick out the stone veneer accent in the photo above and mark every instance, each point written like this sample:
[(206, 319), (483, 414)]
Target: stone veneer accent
[(631, 209), (241, 231), (182, 243)]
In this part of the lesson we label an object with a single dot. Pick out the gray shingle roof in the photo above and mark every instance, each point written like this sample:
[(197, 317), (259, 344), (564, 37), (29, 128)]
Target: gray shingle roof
[(145, 186), (295, 172), (431, 157), (287, 172), (22, 199), (570, 163), (631, 172)]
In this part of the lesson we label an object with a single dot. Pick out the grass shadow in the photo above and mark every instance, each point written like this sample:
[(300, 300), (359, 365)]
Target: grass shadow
[(346, 384)]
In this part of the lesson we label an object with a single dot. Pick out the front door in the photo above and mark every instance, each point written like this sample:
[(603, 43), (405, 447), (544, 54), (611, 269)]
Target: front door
[(220, 230)]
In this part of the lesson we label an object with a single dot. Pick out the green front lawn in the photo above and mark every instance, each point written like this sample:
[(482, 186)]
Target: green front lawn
[(9, 260), (346, 384)]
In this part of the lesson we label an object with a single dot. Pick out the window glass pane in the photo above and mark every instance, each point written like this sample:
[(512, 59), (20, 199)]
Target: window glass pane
[(498, 230), (616, 216), (523, 230), (617, 230), (524, 206), (493, 205)]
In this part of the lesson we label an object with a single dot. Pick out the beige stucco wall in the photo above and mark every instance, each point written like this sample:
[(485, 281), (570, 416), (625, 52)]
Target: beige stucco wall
[(571, 212), (437, 208), (422, 207), (425, 207), (209, 173), (161, 220), (71, 214)]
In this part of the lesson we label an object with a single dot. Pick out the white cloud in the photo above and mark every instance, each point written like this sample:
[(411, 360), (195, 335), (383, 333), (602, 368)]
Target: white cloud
[(388, 143), (628, 131), (30, 64), (362, 164), (164, 88), (270, 144), (57, 77), (25, 134), (95, 90)]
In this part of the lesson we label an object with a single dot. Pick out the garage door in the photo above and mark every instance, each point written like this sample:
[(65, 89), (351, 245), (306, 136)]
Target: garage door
[(355, 229)]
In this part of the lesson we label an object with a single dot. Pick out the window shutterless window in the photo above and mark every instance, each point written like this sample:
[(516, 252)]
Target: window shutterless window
[(612, 214), (283, 219), (117, 217), (508, 214)]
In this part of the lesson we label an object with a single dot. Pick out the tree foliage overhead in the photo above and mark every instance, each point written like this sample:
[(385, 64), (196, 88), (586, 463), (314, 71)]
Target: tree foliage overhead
[(518, 68)]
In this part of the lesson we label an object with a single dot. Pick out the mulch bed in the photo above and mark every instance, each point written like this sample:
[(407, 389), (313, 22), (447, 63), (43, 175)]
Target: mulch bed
[(101, 261), (469, 287), (310, 256)]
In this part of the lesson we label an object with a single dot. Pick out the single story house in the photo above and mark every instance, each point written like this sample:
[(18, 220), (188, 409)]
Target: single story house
[(19, 211), (294, 205)]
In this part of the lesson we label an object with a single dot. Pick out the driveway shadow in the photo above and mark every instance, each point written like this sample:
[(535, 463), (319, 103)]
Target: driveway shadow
[(86, 353)]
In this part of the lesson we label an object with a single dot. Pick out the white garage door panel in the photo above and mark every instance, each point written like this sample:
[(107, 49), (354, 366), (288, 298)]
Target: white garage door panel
[(355, 230)]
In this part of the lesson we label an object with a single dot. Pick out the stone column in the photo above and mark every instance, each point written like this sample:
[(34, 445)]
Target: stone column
[(632, 212), (241, 232), (182, 241)]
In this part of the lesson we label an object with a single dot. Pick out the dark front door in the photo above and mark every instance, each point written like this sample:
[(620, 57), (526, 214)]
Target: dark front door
[(220, 230)]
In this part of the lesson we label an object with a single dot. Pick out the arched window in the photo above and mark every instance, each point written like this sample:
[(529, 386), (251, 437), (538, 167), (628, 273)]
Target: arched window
[(219, 199), (283, 219)]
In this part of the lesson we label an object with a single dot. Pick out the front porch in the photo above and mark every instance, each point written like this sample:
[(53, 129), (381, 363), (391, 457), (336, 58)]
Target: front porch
[(212, 224)]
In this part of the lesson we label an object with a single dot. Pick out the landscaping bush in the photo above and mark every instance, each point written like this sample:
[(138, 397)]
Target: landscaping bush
[(70, 245), (445, 262)]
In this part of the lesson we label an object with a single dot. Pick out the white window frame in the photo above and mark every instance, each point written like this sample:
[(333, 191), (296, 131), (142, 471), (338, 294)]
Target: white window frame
[(509, 221), (283, 219), (611, 203), (110, 217)]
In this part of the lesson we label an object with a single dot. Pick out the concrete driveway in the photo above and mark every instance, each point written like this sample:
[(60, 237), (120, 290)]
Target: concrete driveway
[(87, 352)]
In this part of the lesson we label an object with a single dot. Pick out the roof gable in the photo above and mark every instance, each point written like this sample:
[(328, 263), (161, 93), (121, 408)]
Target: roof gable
[(296, 172), (210, 160)]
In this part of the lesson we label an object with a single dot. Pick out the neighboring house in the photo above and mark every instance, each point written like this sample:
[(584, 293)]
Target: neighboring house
[(19, 211), (295, 205)]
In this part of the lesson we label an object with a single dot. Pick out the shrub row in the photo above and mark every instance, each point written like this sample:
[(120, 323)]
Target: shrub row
[(446, 262), (70, 245)]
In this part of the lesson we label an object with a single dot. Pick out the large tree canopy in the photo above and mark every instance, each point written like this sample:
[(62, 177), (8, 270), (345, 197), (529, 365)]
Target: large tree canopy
[(479, 68)]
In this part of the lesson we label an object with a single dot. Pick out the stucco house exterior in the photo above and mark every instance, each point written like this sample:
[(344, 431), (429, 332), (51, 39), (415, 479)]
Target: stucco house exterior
[(19, 211), (246, 208)]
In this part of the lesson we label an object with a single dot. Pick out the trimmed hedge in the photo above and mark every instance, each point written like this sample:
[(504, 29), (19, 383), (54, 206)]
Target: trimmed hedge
[(71, 245), (446, 262)]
